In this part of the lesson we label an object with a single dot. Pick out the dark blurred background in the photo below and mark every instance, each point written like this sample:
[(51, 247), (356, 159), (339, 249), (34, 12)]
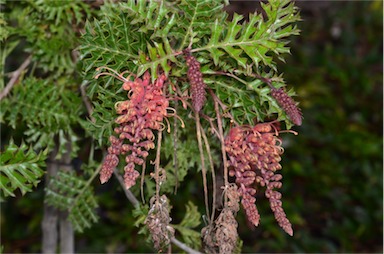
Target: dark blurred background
[(333, 170)]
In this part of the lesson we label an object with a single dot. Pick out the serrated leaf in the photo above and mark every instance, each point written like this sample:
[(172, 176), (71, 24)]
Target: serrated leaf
[(185, 227), (254, 39), (192, 216), (20, 168)]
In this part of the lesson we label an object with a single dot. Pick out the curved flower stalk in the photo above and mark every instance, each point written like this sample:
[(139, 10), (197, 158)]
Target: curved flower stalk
[(140, 115), (254, 156)]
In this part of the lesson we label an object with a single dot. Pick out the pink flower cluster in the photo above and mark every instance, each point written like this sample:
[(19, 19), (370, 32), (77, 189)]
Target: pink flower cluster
[(254, 156), (139, 117)]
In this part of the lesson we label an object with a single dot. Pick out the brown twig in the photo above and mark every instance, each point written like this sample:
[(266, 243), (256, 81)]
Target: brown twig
[(127, 192), (157, 167), (184, 247), (15, 76), (203, 169), (223, 153), (207, 147), (142, 183), (223, 106)]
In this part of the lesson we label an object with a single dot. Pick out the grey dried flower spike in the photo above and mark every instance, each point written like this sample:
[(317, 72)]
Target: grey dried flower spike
[(288, 105), (158, 223)]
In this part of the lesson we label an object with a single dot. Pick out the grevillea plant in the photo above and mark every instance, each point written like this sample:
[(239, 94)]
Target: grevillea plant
[(190, 61), (174, 88)]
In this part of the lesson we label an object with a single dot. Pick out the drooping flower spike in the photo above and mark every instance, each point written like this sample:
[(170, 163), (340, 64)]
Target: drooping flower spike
[(139, 116), (254, 156)]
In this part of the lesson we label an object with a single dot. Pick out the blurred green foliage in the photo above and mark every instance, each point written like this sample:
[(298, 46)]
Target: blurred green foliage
[(333, 178)]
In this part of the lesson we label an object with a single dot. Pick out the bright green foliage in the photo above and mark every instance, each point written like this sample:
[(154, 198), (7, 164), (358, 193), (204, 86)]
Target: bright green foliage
[(70, 192), (20, 168), (252, 42), (197, 20), (38, 103)]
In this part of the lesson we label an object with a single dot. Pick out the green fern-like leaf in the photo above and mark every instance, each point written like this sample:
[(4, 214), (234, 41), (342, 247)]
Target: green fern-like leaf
[(43, 105), (248, 100), (186, 227), (113, 41), (187, 24), (253, 42), (196, 19), (71, 193), (47, 27), (20, 168), (157, 20)]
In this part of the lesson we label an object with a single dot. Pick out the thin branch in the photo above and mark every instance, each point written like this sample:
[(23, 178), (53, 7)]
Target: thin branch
[(142, 183), (157, 168), (203, 169), (127, 192), (223, 106), (207, 147), (175, 144), (15, 76), (223, 153), (184, 247)]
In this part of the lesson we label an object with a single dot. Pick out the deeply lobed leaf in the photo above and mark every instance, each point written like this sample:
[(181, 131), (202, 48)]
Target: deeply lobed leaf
[(20, 168)]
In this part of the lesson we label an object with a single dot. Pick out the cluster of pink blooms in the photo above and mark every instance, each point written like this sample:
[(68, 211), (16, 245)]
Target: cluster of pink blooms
[(140, 115), (254, 156)]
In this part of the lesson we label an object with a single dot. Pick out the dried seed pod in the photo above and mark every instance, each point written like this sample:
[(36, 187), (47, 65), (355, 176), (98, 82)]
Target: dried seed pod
[(226, 231), (196, 81), (288, 105), (158, 223)]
